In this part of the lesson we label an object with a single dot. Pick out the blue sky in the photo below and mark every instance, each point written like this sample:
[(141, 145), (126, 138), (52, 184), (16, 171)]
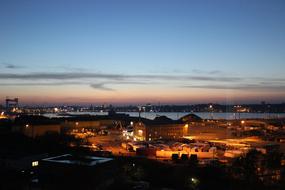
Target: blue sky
[(230, 50)]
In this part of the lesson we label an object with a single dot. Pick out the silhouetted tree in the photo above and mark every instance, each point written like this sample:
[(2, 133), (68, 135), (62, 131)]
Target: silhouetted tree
[(273, 160), (245, 167), (193, 160), (175, 157)]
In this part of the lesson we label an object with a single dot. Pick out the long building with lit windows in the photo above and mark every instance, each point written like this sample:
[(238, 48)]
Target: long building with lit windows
[(160, 128)]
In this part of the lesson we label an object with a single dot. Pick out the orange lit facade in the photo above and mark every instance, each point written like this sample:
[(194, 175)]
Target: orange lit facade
[(149, 132)]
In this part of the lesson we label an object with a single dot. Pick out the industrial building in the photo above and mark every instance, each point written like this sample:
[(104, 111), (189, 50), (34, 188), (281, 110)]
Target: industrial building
[(34, 126), (160, 128)]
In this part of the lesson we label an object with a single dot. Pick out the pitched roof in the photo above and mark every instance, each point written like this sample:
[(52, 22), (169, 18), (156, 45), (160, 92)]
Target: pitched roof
[(191, 118), (160, 120)]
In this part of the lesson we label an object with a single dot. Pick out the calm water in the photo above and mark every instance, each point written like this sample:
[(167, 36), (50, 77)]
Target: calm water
[(177, 115)]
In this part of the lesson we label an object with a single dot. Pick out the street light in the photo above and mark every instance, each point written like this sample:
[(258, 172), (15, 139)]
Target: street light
[(27, 126), (185, 131), (194, 180), (211, 110)]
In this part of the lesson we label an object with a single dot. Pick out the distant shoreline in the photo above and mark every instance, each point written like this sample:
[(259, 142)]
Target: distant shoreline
[(177, 115)]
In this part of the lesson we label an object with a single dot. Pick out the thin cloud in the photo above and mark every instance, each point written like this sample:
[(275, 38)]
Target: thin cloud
[(58, 76), (124, 77), (213, 72), (98, 86), (41, 83), (103, 81), (186, 78), (238, 87), (101, 86), (83, 75), (10, 66)]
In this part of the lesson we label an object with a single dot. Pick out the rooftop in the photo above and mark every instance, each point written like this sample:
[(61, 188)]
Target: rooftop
[(78, 160), (191, 118), (160, 120)]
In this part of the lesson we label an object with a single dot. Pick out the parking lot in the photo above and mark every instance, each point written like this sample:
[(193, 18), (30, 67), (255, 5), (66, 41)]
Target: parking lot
[(111, 142)]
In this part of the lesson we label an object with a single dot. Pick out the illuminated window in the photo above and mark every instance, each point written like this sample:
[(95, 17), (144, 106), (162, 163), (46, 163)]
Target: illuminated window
[(35, 163)]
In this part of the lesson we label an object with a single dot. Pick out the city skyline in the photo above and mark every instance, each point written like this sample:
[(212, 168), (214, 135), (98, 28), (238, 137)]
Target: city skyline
[(132, 52)]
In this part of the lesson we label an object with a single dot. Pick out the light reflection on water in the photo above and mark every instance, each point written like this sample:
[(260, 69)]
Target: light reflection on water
[(177, 115)]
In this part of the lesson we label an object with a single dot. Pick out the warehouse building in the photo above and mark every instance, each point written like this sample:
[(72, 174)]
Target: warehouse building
[(160, 128)]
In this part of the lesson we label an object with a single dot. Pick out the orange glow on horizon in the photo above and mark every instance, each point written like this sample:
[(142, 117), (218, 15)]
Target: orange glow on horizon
[(145, 94)]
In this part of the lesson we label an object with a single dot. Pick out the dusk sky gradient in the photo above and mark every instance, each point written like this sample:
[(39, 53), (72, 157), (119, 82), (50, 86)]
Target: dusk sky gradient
[(140, 51)]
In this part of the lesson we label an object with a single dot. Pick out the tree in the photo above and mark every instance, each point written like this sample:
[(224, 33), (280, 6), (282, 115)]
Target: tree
[(245, 167), (175, 157), (273, 160), (184, 157), (193, 161)]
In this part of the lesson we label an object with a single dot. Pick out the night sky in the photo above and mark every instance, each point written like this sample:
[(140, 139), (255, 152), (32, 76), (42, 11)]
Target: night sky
[(140, 51)]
